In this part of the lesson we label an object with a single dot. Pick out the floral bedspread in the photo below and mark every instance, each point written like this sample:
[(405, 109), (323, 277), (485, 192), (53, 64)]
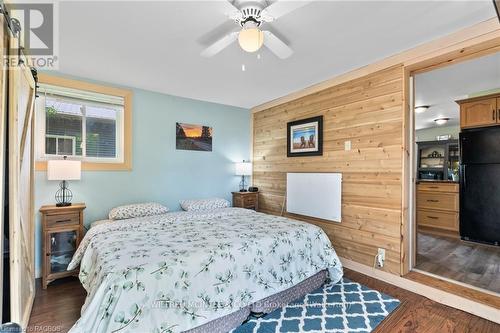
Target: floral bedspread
[(173, 272)]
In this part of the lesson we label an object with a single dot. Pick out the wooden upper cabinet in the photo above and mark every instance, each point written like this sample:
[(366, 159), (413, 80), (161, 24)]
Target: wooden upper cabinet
[(480, 112)]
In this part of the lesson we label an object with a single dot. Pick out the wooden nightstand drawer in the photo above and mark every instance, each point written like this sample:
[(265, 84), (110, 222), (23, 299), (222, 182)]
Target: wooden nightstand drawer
[(249, 200), (63, 219)]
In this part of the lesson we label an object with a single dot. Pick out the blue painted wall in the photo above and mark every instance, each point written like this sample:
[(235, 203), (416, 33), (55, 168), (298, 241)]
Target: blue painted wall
[(160, 172)]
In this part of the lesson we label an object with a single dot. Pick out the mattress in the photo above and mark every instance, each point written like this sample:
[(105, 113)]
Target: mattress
[(178, 271)]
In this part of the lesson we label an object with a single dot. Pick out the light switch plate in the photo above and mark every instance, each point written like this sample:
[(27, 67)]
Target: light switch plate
[(347, 145)]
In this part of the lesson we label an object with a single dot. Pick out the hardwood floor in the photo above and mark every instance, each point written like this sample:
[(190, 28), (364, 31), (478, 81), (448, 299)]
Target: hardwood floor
[(58, 307), (467, 262), (420, 314)]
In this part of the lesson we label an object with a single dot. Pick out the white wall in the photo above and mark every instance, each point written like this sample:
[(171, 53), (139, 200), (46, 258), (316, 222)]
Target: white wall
[(429, 134)]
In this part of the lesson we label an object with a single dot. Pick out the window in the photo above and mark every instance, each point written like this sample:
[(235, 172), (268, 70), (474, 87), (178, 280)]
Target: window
[(82, 124), (60, 145)]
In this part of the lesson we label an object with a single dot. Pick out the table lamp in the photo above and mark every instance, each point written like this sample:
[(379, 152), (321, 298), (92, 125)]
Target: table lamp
[(243, 169), (64, 170)]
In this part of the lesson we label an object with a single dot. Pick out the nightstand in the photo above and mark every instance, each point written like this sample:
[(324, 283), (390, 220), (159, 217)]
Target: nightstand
[(248, 200), (62, 229)]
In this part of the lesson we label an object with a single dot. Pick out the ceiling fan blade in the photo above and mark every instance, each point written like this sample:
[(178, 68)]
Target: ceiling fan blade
[(282, 7), (276, 45), (209, 37), (230, 10), (220, 45)]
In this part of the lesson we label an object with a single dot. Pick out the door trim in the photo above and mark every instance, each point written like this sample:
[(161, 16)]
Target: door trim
[(478, 49)]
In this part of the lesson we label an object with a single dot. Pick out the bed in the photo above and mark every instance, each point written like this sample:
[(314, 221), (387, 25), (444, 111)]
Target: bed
[(196, 271)]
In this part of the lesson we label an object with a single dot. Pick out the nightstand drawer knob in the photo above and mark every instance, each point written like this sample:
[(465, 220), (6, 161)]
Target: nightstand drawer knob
[(62, 221)]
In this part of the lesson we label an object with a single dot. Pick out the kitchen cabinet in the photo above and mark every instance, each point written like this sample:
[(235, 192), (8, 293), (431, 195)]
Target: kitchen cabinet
[(437, 208), (480, 111)]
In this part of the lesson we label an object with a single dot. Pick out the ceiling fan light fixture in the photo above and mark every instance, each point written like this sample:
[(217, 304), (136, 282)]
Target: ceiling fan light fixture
[(251, 39)]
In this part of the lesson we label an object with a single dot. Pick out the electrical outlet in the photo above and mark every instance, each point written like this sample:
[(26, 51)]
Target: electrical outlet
[(347, 145), (380, 257)]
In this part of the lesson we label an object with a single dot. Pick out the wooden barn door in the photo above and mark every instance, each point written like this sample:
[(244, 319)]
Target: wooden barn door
[(4, 90), (21, 178)]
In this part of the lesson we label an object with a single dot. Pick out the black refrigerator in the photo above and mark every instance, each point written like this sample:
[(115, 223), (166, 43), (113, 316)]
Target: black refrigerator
[(480, 185)]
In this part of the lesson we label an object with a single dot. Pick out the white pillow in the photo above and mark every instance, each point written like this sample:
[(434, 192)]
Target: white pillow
[(204, 204), (137, 210), (99, 222)]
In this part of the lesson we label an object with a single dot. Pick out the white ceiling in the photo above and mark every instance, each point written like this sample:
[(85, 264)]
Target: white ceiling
[(156, 45), (440, 88)]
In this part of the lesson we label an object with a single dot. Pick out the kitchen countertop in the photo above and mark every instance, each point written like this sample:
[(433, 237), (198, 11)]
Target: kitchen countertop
[(436, 181)]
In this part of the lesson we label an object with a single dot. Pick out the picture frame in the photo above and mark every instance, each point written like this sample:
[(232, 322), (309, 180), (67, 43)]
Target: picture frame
[(305, 137), (193, 137)]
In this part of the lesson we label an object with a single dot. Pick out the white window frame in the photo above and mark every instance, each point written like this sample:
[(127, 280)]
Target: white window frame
[(65, 137), (40, 121)]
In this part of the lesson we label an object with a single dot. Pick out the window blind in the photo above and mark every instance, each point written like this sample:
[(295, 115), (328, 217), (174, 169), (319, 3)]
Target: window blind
[(80, 123)]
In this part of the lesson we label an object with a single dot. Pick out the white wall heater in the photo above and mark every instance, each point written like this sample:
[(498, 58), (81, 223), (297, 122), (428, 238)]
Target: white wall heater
[(315, 194)]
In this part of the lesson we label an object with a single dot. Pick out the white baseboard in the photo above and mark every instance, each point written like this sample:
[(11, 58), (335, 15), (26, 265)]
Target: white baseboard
[(437, 295)]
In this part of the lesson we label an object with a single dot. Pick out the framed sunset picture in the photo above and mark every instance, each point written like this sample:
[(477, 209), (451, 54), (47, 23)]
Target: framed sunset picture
[(305, 137), (193, 137)]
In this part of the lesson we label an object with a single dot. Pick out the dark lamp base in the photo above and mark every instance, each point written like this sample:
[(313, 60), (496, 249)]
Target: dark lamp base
[(63, 204), (243, 190)]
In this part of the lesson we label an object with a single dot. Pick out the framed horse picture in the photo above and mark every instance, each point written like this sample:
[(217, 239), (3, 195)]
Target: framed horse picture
[(305, 137)]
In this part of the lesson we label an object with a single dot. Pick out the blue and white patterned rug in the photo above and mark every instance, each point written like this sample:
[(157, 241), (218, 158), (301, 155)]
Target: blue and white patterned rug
[(345, 306)]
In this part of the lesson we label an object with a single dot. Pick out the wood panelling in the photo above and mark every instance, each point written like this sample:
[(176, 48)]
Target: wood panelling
[(478, 40), (367, 111)]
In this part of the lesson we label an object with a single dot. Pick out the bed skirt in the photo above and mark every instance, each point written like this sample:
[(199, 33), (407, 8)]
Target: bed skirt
[(266, 305)]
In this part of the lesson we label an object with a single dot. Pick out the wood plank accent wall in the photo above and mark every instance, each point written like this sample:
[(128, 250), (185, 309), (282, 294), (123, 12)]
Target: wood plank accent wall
[(368, 111)]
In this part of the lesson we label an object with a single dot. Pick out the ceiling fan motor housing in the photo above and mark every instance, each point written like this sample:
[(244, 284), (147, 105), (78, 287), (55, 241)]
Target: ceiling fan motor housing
[(250, 14)]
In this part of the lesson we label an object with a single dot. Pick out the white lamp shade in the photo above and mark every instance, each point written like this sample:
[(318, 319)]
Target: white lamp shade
[(243, 169), (64, 170)]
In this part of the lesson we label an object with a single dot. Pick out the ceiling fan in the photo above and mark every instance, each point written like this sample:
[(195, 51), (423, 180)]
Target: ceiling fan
[(250, 15)]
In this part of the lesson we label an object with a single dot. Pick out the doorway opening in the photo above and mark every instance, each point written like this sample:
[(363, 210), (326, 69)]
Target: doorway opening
[(455, 168)]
